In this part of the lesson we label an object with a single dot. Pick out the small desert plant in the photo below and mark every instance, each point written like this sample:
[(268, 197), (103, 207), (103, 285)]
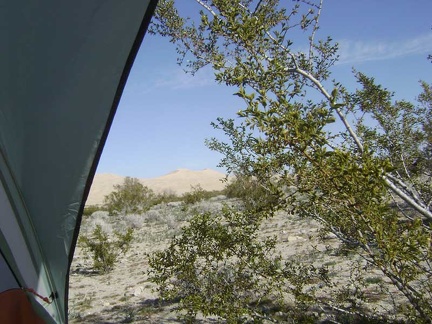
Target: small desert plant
[(131, 197), (166, 197), (103, 250), (89, 210), (374, 280), (196, 194), (134, 220), (249, 190)]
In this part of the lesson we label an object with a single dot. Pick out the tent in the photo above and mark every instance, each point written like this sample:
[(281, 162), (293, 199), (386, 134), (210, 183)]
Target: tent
[(64, 65)]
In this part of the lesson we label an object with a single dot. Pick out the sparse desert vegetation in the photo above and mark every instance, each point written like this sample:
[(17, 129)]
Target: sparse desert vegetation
[(329, 216), (320, 279)]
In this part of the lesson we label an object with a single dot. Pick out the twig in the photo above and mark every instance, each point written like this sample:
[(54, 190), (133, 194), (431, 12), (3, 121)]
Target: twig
[(409, 190), (206, 6), (315, 28), (406, 198)]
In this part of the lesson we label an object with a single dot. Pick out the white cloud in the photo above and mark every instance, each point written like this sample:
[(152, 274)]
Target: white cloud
[(361, 51), (349, 51), (178, 79)]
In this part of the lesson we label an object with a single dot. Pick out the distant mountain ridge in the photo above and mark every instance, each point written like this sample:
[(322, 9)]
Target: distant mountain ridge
[(178, 181)]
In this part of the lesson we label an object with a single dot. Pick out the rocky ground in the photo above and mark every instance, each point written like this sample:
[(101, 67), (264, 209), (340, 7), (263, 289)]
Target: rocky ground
[(125, 295)]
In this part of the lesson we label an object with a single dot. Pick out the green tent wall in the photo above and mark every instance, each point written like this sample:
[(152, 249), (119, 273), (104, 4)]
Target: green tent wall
[(64, 65)]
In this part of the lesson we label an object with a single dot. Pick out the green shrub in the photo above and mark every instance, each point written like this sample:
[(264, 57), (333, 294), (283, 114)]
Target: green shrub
[(89, 210), (249, 190), (374, 280), (343, 177), (219, 266), (166, 197), (103, 250), (196, 194), (131, 197)]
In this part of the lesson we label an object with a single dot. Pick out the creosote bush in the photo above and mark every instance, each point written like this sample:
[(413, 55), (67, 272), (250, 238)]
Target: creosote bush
[(249, 190), (89, 210), (218, 266), (197, 194), (131, 197), (105, 250), (166, 197), (368, 182)]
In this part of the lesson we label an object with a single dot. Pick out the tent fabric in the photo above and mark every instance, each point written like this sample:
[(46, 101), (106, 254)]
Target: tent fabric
[(7, 278), (64, 66), (14, 247)]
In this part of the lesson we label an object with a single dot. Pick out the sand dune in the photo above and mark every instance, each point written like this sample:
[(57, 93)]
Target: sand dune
[(178, 181)]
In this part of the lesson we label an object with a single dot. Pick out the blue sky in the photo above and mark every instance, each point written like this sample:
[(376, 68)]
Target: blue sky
[(164, 115)]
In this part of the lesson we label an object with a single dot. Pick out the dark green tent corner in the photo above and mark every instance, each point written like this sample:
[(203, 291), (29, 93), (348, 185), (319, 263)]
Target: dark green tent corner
[(64, 65)]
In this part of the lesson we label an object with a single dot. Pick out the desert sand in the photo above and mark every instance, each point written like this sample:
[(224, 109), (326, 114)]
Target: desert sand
[(127, 295), (178, 182)]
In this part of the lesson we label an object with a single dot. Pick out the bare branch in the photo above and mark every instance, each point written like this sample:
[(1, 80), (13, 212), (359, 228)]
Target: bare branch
[(423, 211), (257, 6), (404, 165), (207, 7), (315, 29), (407, 189)]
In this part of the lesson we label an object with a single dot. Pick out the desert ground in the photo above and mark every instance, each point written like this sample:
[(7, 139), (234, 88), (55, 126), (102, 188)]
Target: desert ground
[(177, 182), (125, 295)]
